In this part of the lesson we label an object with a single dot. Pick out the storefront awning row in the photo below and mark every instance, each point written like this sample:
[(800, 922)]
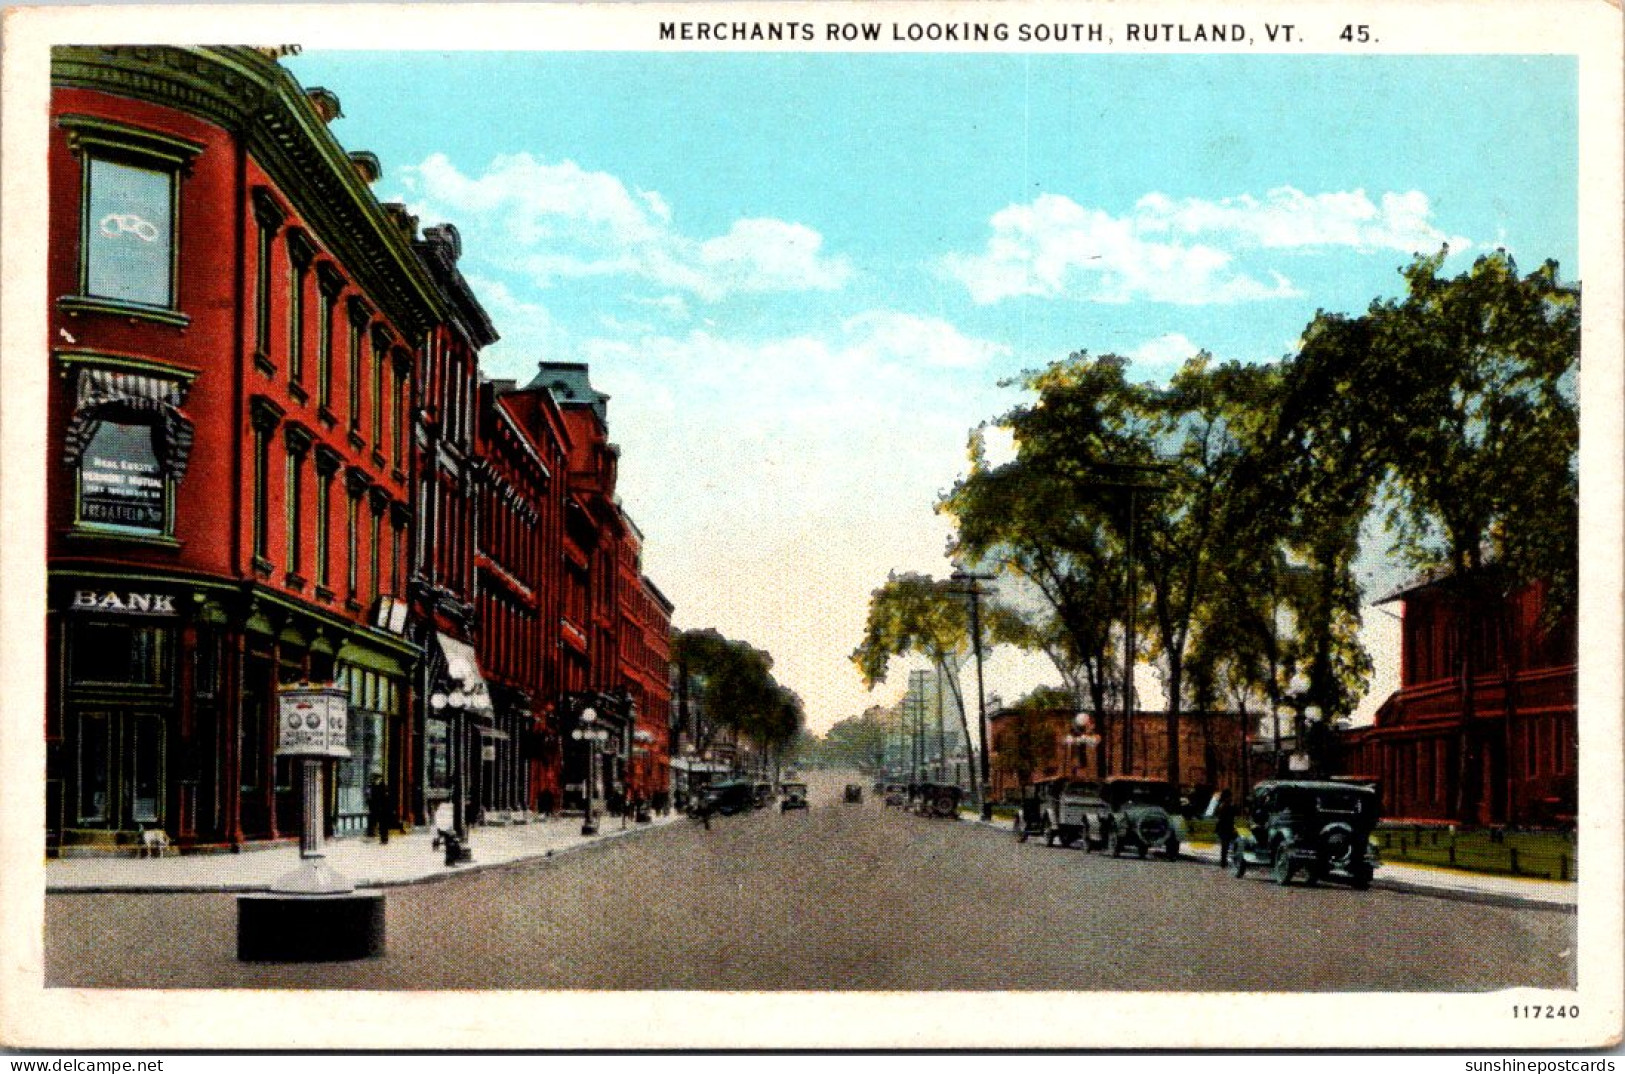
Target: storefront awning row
[(462, 672)]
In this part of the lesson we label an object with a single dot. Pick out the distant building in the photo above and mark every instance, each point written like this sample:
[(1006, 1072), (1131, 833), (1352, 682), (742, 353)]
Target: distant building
[(1503, 753), (1211, 749)]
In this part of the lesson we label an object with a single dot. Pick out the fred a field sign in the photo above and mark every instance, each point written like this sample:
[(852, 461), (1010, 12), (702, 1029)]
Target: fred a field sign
[(311, 722)]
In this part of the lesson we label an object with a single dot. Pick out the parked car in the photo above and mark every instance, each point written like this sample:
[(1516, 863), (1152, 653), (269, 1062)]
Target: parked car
[(939, 800), (853, 794), (897, 795), (1073, 811), (1319, 826), (795, 797), (1143, 814), (764, 795)]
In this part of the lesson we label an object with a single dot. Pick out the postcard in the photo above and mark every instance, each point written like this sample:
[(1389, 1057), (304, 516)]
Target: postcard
[(812, 526)]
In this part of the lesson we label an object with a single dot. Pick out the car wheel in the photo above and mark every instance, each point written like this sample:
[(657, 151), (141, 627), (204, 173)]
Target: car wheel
[(1281, 866), (1114, 845)]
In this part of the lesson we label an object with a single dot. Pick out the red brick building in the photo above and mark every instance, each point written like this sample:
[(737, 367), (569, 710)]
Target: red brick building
[(226, 510), (272, 462), (1210, 749), (1512, 738)]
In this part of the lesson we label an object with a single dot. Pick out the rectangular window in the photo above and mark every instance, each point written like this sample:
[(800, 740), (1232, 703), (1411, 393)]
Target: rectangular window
[(397, 414), (352, 539), (122, 485), (324, 495), (324, 347), (262, 467), (295, 535), (376, 517), (378, 360), (117, 654), (262, 291), (296, 323), (358, 330), (129, 247), (395, 559), (251, 730)]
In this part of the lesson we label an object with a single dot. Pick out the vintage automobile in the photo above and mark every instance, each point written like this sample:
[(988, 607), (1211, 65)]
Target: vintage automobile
[(1074, 811), (795, 797), (729, 796), (1142, 814), (939, 800), (853, 793), (764, 795), (1319, 826), (897, 796)]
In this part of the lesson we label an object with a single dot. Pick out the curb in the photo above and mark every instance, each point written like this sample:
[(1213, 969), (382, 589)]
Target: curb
[(447, 873), (1511, 900)]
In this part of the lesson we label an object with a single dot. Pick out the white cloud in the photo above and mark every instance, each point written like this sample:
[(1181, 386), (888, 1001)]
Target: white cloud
[(1287, 218), (1055, 247), (1170, 349), (928, 341), (1182, 252), (559, 221)]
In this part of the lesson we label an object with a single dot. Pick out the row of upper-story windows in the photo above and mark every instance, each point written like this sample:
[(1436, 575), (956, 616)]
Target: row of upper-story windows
[(374, 524), (377, 368)]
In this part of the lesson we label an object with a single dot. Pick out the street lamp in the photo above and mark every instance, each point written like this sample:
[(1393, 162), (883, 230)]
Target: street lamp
[(1082, 736), (592, 737), (642, 750), (458, 702)]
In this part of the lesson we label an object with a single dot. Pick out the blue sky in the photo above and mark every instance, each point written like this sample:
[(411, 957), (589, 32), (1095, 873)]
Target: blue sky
[(802, 276)]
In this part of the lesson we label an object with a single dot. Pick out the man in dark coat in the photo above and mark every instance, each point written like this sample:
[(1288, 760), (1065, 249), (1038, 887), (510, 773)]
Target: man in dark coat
[(1224, 826), (380, 810)]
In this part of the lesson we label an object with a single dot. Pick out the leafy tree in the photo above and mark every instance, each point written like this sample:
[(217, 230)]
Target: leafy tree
[(916, 613), (1055, 536), (738, 690), (860, 741)]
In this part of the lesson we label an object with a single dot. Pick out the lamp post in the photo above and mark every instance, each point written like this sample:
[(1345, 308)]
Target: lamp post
[(642, 749), (975, 591), (457, 702), (592, 737), (1082, 736)]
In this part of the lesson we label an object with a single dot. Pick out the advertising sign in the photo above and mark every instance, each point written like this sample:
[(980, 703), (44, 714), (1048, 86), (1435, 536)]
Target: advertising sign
[(312, 721), (120, 481)]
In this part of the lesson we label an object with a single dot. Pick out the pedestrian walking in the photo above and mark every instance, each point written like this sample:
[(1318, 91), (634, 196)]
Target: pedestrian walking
[(380, 812), (1224, 826)]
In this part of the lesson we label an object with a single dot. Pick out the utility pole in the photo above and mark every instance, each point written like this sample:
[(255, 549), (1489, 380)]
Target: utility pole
[(1131, 487), (974, 590)]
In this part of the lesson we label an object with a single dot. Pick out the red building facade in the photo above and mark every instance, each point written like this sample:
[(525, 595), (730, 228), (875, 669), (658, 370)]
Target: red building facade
[(1503, 751), (272, 462), (1210, 749), (222, 515)]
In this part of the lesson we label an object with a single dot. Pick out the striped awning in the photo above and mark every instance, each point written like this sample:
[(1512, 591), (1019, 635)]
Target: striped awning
[(136, 398)]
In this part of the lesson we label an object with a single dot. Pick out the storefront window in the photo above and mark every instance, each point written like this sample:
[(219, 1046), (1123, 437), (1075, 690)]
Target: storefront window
[(121, 482), (117, 654), (371, 702), (93, 771)]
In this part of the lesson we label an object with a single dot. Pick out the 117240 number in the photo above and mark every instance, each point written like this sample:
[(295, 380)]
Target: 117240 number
[(1548, 1010)]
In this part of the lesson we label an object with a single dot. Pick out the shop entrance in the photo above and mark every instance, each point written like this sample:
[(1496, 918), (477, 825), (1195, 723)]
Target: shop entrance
[(120, 770)]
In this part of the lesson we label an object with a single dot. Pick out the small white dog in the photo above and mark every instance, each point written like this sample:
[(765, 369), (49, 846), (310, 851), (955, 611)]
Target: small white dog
[(154, 843)]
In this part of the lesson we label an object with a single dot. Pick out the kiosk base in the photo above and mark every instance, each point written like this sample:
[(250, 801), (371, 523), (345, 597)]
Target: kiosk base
[(310, 928)]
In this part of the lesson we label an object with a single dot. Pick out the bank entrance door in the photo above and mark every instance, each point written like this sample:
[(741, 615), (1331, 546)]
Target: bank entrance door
[(120, 772)]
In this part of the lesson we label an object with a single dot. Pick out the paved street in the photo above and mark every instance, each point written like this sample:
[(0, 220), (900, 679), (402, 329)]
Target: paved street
[(844, 897)]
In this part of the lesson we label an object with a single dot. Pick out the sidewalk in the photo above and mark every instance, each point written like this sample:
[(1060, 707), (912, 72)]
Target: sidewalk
[(408, 859), (1426, 880)]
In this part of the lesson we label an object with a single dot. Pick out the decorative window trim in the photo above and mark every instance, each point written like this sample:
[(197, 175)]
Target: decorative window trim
[(329, 285), (301, 253), (92, 138), (269, 216), (134, 392)]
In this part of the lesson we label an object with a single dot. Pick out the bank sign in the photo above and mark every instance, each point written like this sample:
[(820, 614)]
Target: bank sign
[(312, 722)]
